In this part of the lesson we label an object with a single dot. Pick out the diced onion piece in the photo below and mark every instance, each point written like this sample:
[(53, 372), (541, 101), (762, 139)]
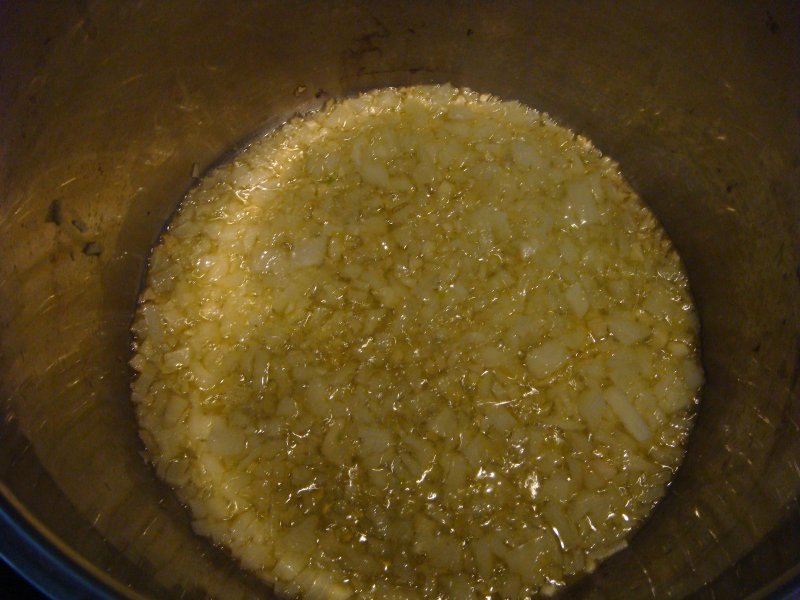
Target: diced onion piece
[(627, 414), (225, 440), (591, 408), (627, 330), (562, 527), (547, 358), (525, 154), (310, 252), (576, 298)]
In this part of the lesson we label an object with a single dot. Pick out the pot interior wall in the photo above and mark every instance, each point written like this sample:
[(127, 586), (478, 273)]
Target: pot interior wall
[(108, 108)]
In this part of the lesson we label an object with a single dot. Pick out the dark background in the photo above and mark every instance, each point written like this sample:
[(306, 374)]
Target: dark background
[(13, 586)]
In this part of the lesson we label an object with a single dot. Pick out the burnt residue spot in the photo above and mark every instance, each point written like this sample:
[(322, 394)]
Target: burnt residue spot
[(414, 70), (411, 30), (366, 44), (470, 33), (92, 249), (55, 212), (320, 93), (756, 348), (771, 24), (80, 225), (730, 187)]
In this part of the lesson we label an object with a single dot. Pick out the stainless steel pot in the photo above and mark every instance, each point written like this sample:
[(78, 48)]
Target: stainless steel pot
[(107, 109)]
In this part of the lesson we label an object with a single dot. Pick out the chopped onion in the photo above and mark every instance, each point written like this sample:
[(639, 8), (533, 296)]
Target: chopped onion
[(631, 419), (421, 343), (545, 359)]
